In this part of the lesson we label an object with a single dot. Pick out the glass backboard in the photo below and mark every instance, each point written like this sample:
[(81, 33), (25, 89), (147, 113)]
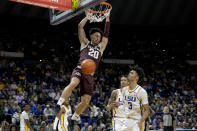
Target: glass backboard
[(57, 17)]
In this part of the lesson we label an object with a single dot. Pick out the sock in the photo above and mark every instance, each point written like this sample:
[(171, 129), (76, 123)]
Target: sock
[(75, 116), (60, 101)]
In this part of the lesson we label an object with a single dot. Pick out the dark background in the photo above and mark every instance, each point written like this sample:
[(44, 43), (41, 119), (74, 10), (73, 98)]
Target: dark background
[(168, 25), (132, 12)]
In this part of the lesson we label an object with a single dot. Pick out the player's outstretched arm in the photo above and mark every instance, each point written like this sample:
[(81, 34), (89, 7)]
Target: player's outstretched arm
[(106, 32), (81, 33)]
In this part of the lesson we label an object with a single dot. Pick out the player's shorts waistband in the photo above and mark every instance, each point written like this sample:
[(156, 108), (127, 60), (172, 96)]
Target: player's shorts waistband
[(124, 117)]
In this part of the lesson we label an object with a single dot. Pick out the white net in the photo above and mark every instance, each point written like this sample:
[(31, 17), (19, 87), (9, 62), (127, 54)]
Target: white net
[(98, 13)]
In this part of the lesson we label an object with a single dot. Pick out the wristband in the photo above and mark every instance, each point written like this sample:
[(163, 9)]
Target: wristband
[(106, 30)]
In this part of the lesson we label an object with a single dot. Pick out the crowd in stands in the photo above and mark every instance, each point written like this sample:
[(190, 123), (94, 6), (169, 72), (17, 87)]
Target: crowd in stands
[(39, 78)]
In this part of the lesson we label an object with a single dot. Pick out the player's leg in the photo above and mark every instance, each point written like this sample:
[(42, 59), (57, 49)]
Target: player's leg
[(114, 124), (135, 127), (118, 124), (86, 91), (68, 90), (85, 100)]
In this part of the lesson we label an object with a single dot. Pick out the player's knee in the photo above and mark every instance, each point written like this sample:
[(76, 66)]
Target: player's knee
[(74, 83), (85, 102)]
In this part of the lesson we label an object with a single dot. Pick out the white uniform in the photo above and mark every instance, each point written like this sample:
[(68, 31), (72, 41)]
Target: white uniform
[(118, 113), (132, 101), (63, 122), (23, 126)]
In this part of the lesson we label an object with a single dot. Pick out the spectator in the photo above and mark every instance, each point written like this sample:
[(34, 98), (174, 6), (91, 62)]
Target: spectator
[(76, 128), (48, 111), (33, 107), (90, 128), (52, 94), (19, 98), (156, 123), (16, 106), (16, 117), (85, 128), (13, 128), (49, 126), (4, 126)]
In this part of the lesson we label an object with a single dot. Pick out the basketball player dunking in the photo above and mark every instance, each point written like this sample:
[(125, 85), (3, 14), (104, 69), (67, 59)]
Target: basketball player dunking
[(92, 49)]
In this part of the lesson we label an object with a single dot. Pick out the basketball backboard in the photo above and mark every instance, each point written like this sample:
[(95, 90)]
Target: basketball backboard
[(52, 4), (57, 17)]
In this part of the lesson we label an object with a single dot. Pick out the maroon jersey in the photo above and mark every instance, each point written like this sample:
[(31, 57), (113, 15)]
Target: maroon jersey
[(90, 52), (87, 81)]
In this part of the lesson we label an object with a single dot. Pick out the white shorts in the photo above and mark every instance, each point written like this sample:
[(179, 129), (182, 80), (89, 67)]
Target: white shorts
[(125, 124), (63, 127), (24, 129)]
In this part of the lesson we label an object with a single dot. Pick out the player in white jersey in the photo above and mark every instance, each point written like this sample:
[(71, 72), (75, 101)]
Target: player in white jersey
[(62, 117), (116, 103), (135, 101), (24, 120)]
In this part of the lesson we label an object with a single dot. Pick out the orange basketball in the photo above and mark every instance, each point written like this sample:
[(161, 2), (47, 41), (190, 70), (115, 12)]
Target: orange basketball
[(88, 66)]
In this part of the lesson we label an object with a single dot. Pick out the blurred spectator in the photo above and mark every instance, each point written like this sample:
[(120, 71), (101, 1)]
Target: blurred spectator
[(43, 126), (76, 128), (13, 128), (49, 126), (16, 117), (90, 128), (4, 126), (19, 98), (156, 122), (85, 128), (48, 111), (16, 106)]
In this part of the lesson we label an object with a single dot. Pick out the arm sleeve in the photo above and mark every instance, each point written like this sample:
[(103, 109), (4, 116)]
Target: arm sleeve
[(143, 96), (106, 30)]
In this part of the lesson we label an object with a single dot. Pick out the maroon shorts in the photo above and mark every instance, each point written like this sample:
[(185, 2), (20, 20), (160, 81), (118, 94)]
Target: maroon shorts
[(86, 82)]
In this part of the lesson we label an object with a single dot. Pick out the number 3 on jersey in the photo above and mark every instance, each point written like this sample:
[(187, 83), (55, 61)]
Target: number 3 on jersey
[(93, 53), (130, 105)]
